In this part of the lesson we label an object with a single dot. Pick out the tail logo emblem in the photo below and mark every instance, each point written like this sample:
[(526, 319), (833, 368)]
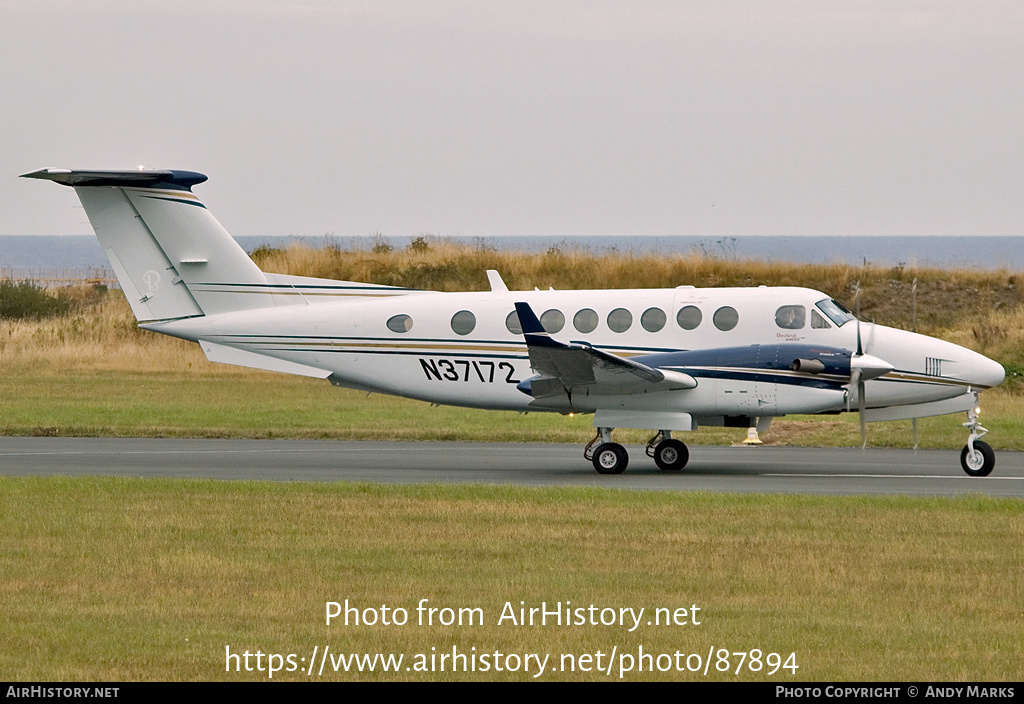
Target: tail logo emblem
[(152, 279)]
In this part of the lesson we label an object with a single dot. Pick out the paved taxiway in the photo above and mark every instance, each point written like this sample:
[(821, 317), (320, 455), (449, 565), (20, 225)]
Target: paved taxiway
[(736, 469)]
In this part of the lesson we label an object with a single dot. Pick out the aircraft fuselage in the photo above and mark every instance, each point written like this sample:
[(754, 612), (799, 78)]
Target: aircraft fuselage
[(661, 359), (458, 349)]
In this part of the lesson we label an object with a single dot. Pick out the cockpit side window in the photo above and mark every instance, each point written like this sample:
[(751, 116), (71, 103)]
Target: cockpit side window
[(835, 311), (791, 317), (817, 321)]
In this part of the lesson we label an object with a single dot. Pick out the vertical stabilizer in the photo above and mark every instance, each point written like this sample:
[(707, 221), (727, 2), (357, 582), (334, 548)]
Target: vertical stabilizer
[(171, 256), (146, 275)]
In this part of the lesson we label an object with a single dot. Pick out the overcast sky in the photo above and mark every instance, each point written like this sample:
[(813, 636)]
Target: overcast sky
[(549, 118)]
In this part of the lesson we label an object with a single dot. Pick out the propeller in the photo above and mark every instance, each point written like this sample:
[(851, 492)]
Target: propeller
[(855, 381), (864, 367), (861, 373)]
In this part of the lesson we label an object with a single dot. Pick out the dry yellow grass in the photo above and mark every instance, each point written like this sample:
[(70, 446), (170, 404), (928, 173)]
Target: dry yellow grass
[(978, 309), (982, 310), (999, 334), (102, 334)]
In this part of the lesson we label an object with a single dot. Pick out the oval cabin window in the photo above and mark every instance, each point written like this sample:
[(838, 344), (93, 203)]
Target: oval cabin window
[(400, 323), (653, 319), (512, 323), (620, 319), (463, 322), (585, 320), (552, 321), (689, 317), (725, 318)]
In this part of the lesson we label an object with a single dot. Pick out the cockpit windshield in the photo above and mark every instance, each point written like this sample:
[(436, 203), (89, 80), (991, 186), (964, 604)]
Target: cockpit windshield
[(835, 311)]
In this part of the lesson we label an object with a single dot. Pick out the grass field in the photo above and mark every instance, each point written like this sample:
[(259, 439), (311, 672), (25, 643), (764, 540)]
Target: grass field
[(134, 579), (122, 579)]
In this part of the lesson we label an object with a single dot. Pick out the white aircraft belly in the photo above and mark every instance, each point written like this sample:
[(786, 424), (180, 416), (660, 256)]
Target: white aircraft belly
[(473, 382), (895, 392)]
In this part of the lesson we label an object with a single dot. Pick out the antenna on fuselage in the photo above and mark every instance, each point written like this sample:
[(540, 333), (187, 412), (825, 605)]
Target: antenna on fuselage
[(494, 279)]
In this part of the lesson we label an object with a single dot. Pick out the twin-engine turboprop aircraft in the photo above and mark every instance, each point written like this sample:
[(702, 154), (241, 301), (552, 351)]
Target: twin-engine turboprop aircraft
[(667, 360)]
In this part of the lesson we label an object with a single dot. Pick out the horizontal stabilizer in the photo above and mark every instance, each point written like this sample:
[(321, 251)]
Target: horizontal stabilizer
[(140, 178)]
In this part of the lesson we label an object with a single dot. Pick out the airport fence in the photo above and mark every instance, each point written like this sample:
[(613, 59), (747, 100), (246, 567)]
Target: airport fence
[(55, 278)]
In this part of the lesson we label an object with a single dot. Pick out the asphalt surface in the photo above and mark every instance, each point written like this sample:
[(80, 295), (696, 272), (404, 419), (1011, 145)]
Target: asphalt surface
[(841, 471)]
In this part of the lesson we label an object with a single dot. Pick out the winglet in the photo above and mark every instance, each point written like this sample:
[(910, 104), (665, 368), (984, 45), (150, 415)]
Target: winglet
[(533, 331), (528, 320)]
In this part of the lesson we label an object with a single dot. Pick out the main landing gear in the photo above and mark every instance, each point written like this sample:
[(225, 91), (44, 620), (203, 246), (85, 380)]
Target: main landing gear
[(670, 455), (977, 458), (611, 457)]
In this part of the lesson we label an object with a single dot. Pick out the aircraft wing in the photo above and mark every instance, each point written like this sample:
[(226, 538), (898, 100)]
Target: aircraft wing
[(568, 368)]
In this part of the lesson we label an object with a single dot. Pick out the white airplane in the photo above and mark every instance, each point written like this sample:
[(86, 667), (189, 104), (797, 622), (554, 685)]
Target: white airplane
[(667, 360)]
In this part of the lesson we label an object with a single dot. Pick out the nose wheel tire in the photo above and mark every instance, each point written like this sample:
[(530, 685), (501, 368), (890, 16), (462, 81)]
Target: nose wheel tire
[(610, 458), (980, 462), (671, 455)]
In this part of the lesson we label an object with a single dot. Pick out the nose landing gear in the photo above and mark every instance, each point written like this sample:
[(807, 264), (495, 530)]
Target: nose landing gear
[(977, 458)]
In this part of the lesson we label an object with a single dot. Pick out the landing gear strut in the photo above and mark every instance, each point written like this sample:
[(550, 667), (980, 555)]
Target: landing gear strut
[(977, 458), (611, 458), (608, 457), (670, 455)]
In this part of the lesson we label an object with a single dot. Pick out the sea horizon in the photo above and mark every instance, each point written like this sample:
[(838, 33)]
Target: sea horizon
[(925, 251)]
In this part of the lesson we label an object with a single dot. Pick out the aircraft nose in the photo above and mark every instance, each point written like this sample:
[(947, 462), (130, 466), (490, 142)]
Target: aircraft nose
[(987, 372)]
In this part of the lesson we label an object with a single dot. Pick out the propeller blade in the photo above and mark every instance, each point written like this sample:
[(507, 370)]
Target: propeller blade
[(861, 402), (854, 384)]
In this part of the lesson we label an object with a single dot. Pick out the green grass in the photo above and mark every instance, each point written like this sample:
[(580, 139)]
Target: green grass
[(128, 579)]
